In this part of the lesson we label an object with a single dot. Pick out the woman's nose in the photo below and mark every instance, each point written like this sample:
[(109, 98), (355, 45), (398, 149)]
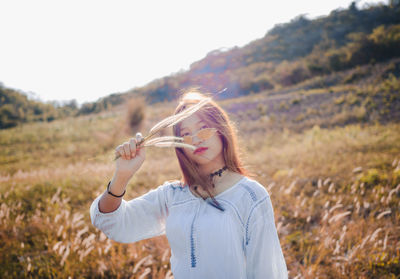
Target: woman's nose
[(196, 140)]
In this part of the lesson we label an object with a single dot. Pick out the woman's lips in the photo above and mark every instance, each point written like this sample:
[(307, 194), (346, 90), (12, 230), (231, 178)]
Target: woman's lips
[(200, 150)]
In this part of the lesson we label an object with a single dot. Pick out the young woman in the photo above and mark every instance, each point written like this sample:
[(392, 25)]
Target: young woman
[(218, 221)]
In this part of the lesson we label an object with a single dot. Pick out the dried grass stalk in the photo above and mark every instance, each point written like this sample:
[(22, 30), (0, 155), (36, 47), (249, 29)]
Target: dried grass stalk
[(173, 119), (174, 144), (162, 139)]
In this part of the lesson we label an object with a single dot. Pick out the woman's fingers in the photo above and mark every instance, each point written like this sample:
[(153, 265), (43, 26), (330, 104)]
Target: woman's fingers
[(128, 150), (140, 151), (119, 151), (132, 146)]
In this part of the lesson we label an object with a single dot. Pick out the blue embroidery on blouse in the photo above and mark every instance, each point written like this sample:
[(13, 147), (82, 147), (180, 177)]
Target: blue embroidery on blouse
[(192, 249), (248, 220), (176, 186), (251, 192)]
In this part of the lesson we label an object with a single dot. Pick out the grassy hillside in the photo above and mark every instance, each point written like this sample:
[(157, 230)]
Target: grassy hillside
[(335, 191)]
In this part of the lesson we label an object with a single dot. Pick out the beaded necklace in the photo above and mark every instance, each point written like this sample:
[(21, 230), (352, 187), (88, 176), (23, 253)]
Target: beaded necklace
[(219, 172)]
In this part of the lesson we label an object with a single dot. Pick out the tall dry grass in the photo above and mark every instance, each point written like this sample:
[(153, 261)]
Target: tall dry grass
[(336, 195)]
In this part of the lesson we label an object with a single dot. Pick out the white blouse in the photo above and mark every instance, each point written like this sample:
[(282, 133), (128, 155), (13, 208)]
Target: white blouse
[(236, 242)]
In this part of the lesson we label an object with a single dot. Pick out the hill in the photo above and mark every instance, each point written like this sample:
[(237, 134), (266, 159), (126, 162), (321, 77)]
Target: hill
[(292, 53)]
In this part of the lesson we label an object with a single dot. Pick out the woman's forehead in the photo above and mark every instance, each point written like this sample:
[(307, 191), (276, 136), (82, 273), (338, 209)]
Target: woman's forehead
[(191, 121)]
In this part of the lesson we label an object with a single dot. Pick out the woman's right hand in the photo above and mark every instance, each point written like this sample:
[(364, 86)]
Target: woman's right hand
[(130, 158)]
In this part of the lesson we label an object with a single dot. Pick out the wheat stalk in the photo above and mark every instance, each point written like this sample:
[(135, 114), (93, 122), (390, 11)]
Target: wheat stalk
[(174, 144), (173, 119), (162, 139)]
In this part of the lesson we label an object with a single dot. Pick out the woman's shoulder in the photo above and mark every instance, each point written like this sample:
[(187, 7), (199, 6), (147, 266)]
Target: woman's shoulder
[(173, 184), (255, 189), (244, 197), (174, 190)]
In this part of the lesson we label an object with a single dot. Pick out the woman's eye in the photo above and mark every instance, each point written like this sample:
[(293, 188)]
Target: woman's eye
[(204, 127)]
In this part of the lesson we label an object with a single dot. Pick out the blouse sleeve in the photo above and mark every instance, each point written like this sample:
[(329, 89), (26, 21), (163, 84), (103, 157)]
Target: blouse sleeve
[(134, 220), (264, 257)]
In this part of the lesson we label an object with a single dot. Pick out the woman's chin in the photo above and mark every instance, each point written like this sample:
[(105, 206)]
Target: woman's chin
[(201, 160)]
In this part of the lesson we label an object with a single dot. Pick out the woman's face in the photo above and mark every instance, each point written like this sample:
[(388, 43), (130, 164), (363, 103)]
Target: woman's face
[(212, 152)]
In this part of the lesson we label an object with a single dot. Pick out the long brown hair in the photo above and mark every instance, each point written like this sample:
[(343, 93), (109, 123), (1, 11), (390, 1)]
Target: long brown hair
[(214, 116)]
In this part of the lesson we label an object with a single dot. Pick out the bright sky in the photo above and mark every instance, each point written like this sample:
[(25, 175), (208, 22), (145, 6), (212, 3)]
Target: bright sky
[(84, 50)]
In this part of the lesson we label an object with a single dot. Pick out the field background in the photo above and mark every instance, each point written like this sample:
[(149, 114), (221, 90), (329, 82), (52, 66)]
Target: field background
[(335, 191)]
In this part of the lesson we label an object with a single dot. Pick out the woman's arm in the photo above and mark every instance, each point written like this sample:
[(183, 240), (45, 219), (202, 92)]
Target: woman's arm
[(264, 255), (129, 161), (134, 220), (140, 218), (109, 203)]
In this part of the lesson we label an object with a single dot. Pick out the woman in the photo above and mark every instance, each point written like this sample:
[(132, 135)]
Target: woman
[(218, 221)]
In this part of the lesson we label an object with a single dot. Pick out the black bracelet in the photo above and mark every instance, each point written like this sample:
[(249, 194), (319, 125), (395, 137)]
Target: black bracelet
[(108, 191)]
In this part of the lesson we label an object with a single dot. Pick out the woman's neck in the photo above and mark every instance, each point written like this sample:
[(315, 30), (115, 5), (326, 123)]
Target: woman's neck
[(227, 180), (218, 179), (212, 166)]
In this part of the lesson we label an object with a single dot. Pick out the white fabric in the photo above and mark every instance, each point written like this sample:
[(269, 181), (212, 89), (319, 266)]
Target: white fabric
[(239, 242)]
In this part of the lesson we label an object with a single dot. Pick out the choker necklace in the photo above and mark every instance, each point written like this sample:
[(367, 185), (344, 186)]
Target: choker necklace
[(218, 172)]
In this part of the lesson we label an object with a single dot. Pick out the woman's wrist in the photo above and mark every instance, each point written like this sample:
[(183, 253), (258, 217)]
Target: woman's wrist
[(118, 185)]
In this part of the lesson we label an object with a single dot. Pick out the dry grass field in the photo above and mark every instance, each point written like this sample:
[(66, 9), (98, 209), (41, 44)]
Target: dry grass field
[(335, 191)]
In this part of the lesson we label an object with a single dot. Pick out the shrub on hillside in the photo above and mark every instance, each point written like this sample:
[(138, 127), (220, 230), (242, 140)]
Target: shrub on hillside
[(135, 112)]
